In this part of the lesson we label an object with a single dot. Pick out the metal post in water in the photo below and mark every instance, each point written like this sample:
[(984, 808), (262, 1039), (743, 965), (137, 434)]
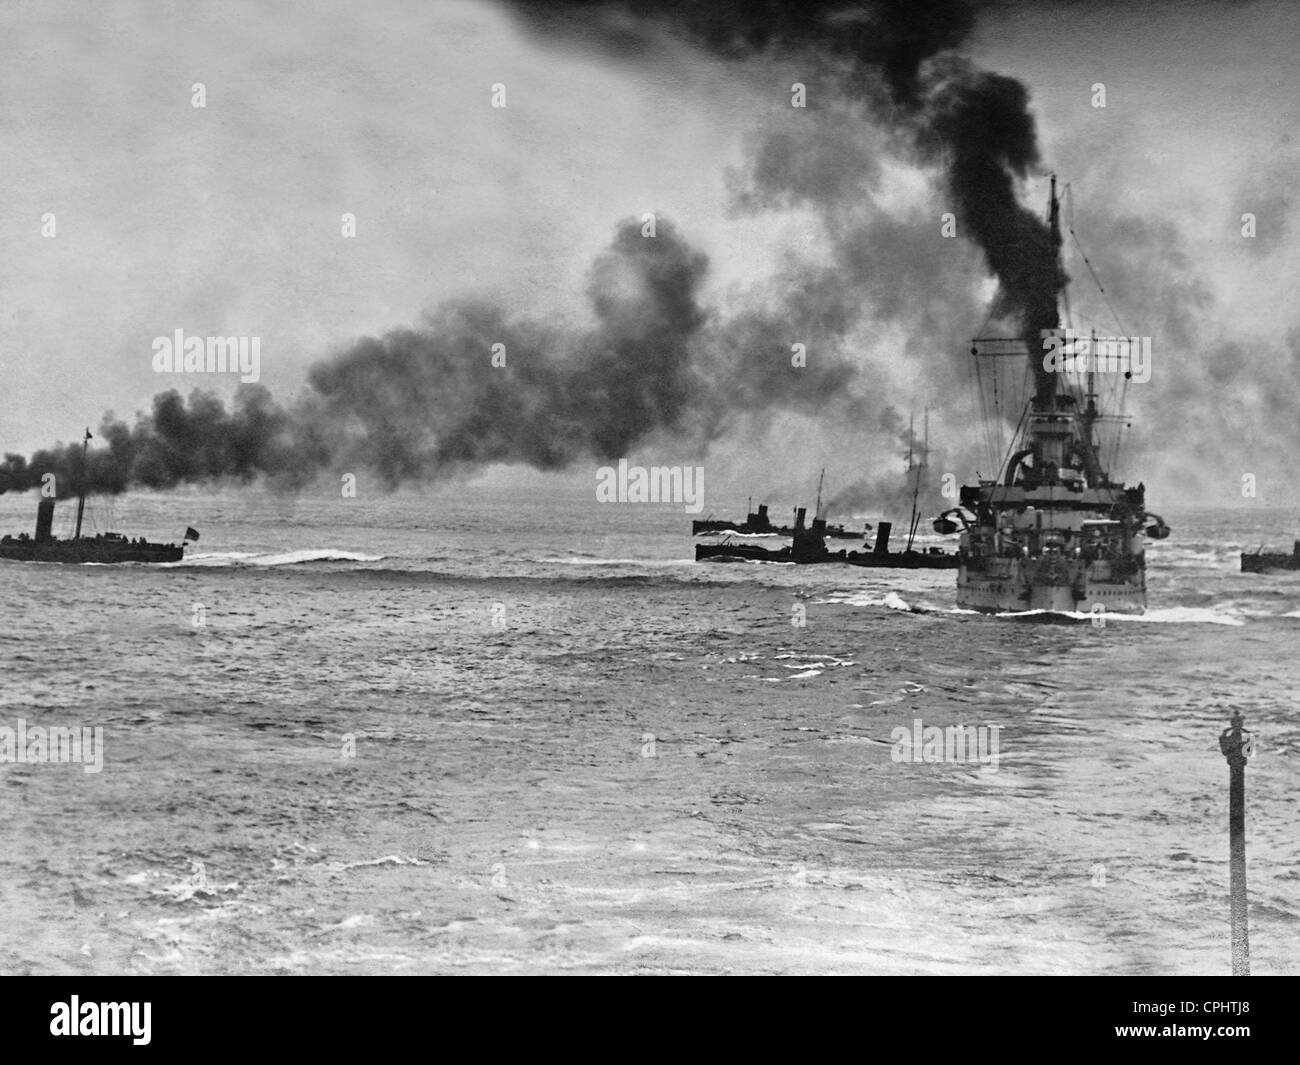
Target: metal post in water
[(1234, 742)]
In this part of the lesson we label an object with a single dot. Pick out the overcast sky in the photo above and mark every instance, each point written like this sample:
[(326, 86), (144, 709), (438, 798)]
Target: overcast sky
[(225, 220)]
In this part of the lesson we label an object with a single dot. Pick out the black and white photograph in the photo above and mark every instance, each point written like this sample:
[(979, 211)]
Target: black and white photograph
[(647, 488)]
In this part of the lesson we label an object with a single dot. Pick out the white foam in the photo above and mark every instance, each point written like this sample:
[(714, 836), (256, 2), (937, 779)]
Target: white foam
[(1179, 615)]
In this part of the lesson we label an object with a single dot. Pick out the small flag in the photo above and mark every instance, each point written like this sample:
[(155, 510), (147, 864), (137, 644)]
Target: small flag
[(191, 534)]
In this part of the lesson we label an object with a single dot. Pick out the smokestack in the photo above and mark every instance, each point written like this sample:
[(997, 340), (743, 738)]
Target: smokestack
[(798, 518), (882, 537), (44, 520)]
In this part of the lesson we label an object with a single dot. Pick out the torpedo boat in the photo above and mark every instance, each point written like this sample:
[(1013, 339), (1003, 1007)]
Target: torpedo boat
[(757, 523), (808, 547), (107, 547), (1262, 561)]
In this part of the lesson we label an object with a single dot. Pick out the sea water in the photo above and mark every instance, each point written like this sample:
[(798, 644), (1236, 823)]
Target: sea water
[(475, 730)]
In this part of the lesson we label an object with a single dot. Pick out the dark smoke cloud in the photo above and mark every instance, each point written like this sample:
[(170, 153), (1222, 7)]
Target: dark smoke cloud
[(175, 443), (884, 83), (418, 404), (887, 489), (421, 403), (975, 124), (882, 42), (826, 159), (981, 124), (430, 399)]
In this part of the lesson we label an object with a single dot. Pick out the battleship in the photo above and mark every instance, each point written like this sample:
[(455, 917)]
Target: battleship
[(106, 547), (1053, 532), (1262, 561)]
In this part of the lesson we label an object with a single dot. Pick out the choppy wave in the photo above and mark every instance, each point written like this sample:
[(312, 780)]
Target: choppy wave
[(730, 560), (285, 558), (651, 563), (1222, 614), (1175, 615)]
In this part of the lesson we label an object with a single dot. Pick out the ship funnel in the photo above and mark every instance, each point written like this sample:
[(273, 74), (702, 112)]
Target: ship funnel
[(799, 516), (882, 537), (44, 520)]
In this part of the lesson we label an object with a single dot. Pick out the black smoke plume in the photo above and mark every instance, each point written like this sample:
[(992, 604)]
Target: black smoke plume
[(893, 58), (420, 403), (981, 124), (976, 124), (417, 404)]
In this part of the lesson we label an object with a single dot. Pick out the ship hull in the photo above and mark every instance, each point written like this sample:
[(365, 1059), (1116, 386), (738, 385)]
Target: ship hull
[(1261, 562), (868, 559), (1071, 590), (87, 551), (901, 560)]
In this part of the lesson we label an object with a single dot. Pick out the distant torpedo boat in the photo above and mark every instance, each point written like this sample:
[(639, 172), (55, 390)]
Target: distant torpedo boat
[(104, 548)]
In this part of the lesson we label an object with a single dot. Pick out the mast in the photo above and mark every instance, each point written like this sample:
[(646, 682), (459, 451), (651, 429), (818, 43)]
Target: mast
[(1048, 432), (916, 486), (1051, 429), (81, 493), (1049, 318), (818, 512), (1091, 463)]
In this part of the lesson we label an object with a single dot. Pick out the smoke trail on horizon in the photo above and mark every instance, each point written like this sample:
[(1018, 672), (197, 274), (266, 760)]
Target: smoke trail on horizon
[(419, 404)]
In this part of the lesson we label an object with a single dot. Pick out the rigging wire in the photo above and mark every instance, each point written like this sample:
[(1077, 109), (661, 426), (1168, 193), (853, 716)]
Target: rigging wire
[(1121, 389), (1024, 413), (991, 432), (1096, 280), (1123, 421), (982, 399)]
